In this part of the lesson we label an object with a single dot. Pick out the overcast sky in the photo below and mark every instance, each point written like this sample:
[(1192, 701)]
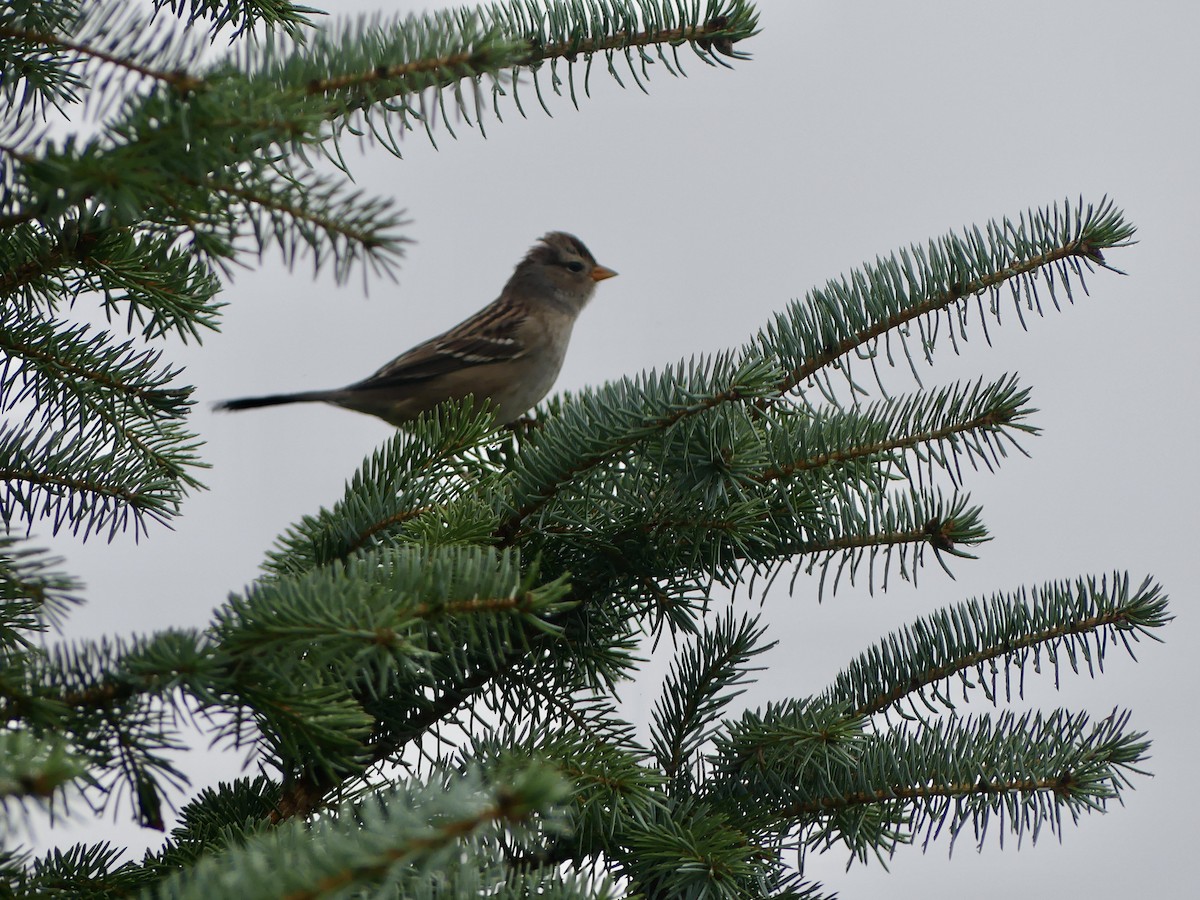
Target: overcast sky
[(856, 128)]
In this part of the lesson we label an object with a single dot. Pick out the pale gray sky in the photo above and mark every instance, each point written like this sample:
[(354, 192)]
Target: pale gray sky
[(856, 128)]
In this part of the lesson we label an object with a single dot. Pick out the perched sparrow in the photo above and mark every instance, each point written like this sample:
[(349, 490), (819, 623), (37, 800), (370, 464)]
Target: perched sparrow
[(509, 352)]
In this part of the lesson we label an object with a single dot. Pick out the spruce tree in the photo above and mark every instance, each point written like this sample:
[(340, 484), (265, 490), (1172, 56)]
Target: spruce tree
[(426, 670)]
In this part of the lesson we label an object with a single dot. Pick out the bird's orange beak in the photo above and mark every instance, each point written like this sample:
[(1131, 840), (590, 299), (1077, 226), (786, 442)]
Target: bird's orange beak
[(599, 273)]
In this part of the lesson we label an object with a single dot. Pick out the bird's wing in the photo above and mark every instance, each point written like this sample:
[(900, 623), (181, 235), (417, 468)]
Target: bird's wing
[(492, 335)]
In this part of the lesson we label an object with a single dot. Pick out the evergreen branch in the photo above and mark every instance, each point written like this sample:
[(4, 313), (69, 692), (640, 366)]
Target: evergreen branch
[(28, 262), (34, 768), (114, 705), (20, 139), (775, 752), (88, 486), (610, 527), (308, 791), (516, 36), (600, 759), (1060, 619), (450, 698), (943, 535), (66, 354), (315, 209), (392, 604), (719, 857), (860, 528), (164, 166), (875, 539), (55, 692), (101, 38), (15, 153), (427, 471), (358, 872), (409, 625), (462, 677), (941, 423), (392, 523), (46, 42), (415, 716), (959, 772), (60, 870), (929, 792), (698, 688), (92, 679), (442, 70), (311, 731), (74, 484), (165, 288), (693, 849), (601, 425), (33, 593), (806, 768), (717, 32), (34, 82), (688, 500), (392, 845), (855, 313), (109, 426), (408, 56), (216, 819), (531, 719), (243, 15)]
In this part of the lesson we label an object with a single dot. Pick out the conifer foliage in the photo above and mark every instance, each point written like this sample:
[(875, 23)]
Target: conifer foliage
[(426, 671)]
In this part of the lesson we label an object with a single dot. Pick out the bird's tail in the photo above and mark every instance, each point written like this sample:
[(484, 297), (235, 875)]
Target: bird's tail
[(271, 400)]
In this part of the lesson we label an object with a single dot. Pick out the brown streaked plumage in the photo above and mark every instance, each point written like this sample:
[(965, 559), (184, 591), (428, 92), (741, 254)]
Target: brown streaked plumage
[(509, 352)]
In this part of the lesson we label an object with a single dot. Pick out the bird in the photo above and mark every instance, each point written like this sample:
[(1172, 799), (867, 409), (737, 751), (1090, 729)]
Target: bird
[(509, 353)]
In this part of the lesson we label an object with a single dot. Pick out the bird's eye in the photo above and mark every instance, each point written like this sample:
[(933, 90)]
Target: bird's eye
[(575, 265)]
